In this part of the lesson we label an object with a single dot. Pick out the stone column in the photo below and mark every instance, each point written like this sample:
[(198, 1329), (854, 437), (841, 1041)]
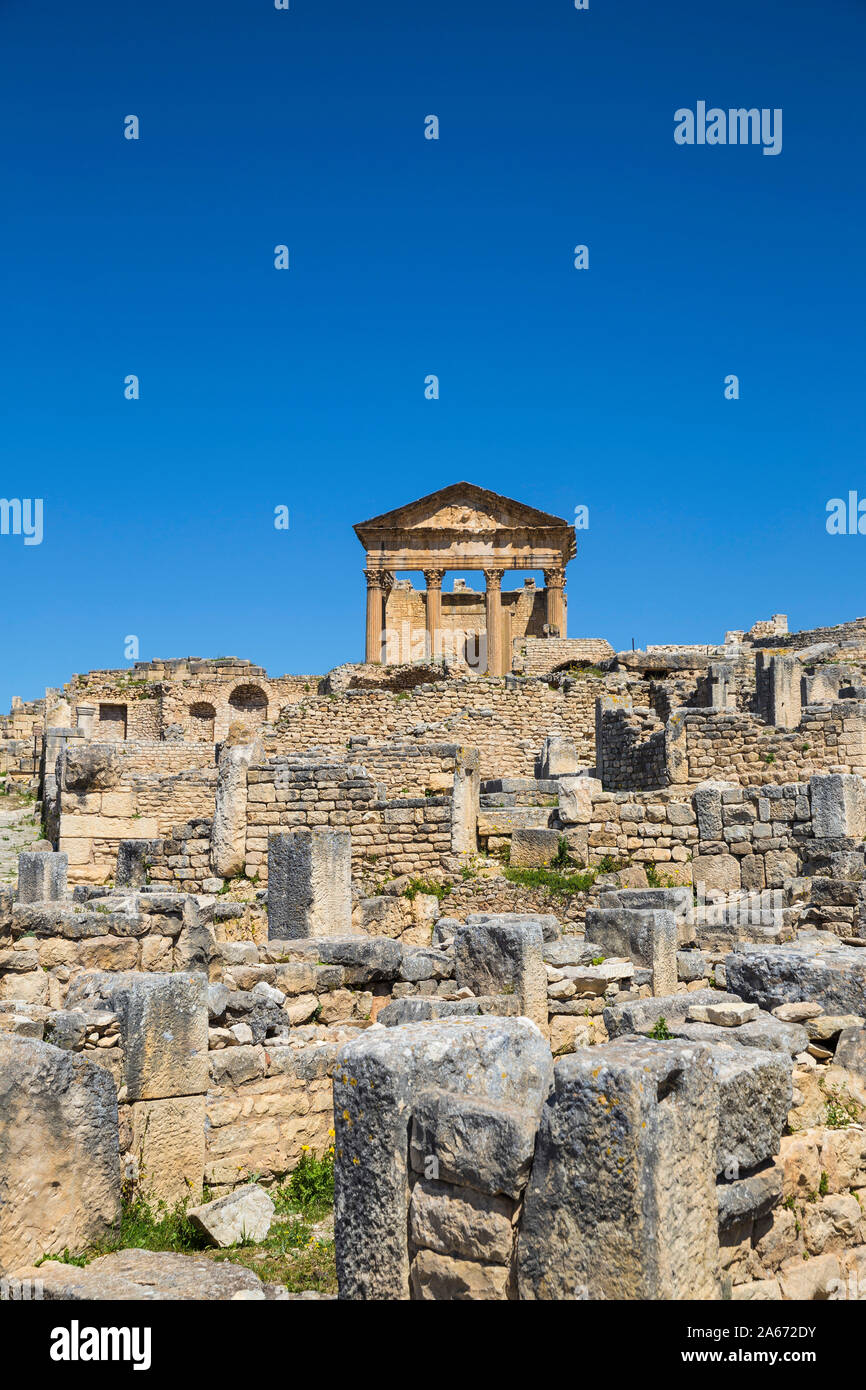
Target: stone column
[(785, 700), (494, 622), (555, 581), (375, 614), (433, 580)]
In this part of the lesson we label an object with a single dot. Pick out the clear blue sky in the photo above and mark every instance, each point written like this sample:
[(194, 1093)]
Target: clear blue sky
[(306, 388)]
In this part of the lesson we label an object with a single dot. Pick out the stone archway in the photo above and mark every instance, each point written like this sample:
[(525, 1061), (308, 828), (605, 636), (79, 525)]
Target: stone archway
[(202, 721), (249, 702)]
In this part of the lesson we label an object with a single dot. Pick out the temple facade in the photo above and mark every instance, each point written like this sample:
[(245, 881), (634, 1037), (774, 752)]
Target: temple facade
[(463, 527)]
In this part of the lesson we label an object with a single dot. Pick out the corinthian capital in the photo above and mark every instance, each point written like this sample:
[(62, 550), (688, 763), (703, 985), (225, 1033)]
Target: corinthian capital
[(493, 578), (555, 578), (433, 578)]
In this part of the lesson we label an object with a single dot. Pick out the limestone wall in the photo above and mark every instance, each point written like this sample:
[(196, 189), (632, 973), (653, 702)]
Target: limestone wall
[(403, 835), (508, 726), (539, 656), (739, 746), (137, 791)]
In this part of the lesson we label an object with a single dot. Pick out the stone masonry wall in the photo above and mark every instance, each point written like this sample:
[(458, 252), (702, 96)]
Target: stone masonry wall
[(508, 726)]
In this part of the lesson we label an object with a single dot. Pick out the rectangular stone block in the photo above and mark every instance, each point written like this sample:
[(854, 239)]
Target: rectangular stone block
[(59, 1161), (163, 1026), (576, 795), (376, 1081), (559, 757), (41, 876), (647, 936), (500, 956), (460, 1222), (476, 1143), (755, 1090), (133, 862), (310, 882), (168, 1145), (838, 806), (621, 1203), (770, 976), (533, 849)]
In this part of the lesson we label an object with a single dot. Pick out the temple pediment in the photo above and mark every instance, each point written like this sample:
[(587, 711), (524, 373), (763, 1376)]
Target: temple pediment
[(461, 507)]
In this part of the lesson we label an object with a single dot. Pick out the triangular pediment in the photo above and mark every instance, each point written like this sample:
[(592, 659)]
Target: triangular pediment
[(461, 507)]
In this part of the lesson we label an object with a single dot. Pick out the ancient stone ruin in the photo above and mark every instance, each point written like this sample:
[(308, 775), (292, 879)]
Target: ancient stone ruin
[(554, 956)]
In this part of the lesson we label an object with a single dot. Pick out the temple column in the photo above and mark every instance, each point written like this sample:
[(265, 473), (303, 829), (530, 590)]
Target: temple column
[(494, 622), (554, 580), (375, 614), (433, 580)]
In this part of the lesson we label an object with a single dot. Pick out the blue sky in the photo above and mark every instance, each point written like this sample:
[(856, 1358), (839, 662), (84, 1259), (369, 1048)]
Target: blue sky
[(305, 388)]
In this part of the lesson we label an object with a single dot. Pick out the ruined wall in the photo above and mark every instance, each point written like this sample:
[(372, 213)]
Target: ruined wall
[(114, 792), (539, 656), (630, 746), (508, 726), (739, 746), (403, 835)]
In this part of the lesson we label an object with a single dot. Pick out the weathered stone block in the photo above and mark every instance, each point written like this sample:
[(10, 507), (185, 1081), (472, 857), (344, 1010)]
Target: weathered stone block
[(459, 1222), (501, 955), (310, 882), (41, 877), (133, 862), (376, 1080), (770, 976), (245, 1214), (59, 1164), (576, 795), (755, 1090), (477, 1143), (164, 1029), (442, 1279), (621, 1202), (533, 849), (646, 936), (168, 1145), (838, 805)]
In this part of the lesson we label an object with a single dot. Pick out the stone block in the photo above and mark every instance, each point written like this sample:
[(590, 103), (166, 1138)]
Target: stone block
[(443, 1279), (41, 877), (479, 1144), (376, 1081), (838, 805), (769, 976), (755, 1091), (59, 1163), (533, 849), (750, 1198), (133, 862), (621, 1202), (501, 956), (164, 1029), (647, 936), (459, 1222), (640, 1015), (717, 872), (559, 757), (243, 1215), (576, 795), (168, 1146), (310, 882)]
